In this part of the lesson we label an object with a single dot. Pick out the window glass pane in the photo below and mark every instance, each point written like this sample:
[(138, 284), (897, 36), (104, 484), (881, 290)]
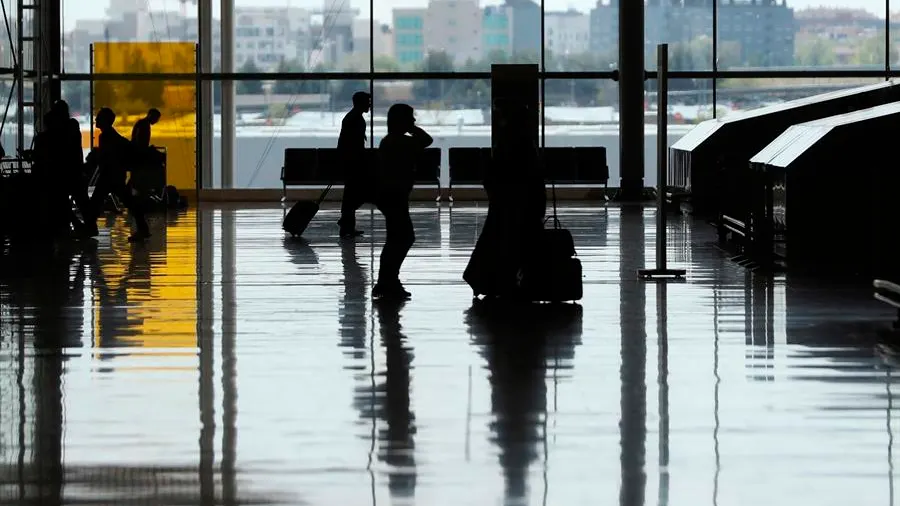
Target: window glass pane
[(581, 39), (85, 22), (302, 36), (462, 35), (688, 29), (848, 34), (583, 113), (746, 94), (274, 115)]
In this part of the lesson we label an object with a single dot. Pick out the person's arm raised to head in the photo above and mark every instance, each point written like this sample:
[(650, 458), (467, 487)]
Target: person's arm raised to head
[(421, 136)]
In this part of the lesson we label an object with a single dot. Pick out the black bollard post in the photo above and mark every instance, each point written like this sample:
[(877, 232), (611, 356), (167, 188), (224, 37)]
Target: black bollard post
[(662, 170)]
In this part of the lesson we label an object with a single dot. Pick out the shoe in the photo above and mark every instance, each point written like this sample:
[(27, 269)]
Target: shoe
[(390, 291), (139, 237), (349, 234)]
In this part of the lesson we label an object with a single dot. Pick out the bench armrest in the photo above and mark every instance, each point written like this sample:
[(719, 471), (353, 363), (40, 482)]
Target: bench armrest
[(881, 284)]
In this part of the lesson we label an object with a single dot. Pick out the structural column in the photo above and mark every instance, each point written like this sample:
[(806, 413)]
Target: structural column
[(631, 98), (47, 50), (205, 9), (227, 42)]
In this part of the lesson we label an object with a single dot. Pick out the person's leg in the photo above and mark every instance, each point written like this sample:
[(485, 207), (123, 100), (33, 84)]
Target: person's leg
[(78, 193), (400, 238), (102, 190), (353, 199), (135, 209), (349, 205)]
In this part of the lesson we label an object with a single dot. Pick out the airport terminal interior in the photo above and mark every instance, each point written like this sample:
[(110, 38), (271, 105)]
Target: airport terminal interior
[(604, 301)]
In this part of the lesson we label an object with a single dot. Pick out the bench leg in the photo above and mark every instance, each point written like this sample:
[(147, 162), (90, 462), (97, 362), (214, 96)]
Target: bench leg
[(438, 199), (450, 191), (283, 192)]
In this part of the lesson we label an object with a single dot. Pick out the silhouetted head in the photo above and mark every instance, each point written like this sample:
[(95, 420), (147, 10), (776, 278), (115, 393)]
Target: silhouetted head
[(153, 116), (362, 101), (400, 118), (61, 109), (105, 118)]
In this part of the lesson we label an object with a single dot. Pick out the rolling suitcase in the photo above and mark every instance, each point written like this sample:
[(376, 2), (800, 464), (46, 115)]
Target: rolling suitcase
[(302, 213), (554, 274)]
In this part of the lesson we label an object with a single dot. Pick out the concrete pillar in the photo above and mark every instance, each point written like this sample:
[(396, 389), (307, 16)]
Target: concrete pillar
[(631, 99), (46, 56), (228, 140)]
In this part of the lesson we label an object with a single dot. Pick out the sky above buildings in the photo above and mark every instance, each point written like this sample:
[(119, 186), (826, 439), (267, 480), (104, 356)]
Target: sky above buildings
[(96, 9)]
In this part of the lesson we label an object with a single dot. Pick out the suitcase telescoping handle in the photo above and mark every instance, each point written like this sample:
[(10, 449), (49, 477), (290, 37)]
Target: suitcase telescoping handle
[(324, 194)]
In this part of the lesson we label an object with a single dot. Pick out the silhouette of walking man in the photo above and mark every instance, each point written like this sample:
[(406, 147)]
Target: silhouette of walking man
[(352, 150), (398, 152), (113, 156)]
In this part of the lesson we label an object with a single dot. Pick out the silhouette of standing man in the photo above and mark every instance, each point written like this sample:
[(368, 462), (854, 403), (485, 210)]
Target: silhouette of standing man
[(140, 133), (71, 163), (398, 152), (352, 150), (113, 156)]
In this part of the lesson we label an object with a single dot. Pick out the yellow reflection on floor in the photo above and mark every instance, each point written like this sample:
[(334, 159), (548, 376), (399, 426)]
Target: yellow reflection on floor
[(146, 295)]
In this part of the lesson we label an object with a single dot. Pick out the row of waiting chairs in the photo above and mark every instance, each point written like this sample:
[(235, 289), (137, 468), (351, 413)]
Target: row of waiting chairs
[(566, 166)]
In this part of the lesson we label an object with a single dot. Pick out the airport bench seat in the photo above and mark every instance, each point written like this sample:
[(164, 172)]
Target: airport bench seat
[(300, 168), (889, 293)]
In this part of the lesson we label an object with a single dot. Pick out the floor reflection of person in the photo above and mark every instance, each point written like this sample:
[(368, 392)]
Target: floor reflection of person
[(518, 347), (398, 153), (399, 448), (56, 331), (352, 307), (517, 197)]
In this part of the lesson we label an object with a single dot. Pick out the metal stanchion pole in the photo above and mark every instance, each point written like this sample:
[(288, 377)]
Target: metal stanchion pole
[(662, 169)]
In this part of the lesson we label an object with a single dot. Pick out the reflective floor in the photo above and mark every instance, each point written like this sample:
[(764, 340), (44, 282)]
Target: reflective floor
[(223, 364)]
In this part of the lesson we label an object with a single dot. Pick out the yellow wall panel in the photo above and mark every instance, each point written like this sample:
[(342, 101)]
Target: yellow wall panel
[(176, 100)]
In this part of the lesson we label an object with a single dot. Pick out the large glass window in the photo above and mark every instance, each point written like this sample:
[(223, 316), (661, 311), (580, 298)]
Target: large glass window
[(449, 36), (688, 29)]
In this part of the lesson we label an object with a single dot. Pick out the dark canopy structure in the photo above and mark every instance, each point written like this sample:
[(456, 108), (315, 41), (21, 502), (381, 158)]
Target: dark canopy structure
[(708, 162), (828, 189)]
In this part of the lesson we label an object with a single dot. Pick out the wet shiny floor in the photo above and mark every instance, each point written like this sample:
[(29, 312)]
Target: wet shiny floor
[(223, 364)]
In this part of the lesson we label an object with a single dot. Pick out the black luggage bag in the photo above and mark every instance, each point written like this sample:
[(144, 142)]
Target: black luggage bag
[(554, 273), (302, 213)]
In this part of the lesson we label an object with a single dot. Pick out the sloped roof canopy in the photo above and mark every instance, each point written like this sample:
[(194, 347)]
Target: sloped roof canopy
[(800, 139), (804, 109)]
